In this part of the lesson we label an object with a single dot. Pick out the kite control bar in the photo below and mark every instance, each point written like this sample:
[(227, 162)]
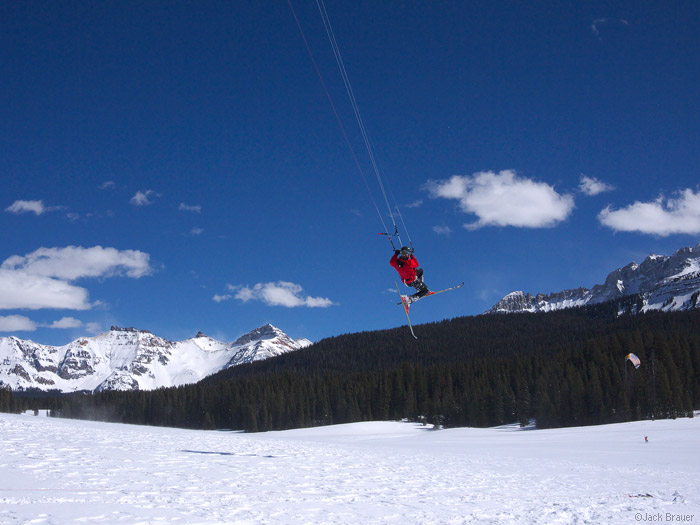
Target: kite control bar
[(395, 234), (392, 235)]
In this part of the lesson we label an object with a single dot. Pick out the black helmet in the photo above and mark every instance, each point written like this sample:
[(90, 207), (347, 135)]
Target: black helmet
[(405, 252)]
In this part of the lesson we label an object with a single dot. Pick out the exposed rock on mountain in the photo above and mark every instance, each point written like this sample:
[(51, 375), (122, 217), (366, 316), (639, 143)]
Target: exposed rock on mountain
[(132, 359), (660, 282)]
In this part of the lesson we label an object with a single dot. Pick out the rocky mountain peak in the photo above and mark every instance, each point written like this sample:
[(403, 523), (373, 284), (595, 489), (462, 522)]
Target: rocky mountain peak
[(266, 331), (132, 359), (662, 282), (130, 329)]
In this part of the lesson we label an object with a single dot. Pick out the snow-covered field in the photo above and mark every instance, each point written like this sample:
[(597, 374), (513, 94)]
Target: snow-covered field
[(63, 471)]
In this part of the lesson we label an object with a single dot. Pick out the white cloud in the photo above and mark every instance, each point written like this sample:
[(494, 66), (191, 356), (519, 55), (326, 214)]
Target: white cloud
[(36, 207), (143, 198), (220, 298), (280, 293), (504, 199), (107, 185), (19, 289), (16, 323), (41, 279), (18, 207), (196, 231), (315, 302), (443, 230), (187, 207), (415, 204), (66, 322), (661, 217), (591, 186), (75, 262)]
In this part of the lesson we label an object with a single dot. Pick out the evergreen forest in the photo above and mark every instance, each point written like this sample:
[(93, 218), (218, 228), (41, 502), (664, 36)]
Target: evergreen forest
[(564, 368)]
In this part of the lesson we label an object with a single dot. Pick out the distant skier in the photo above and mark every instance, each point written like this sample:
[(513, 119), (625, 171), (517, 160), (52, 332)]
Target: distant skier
[(407, 266)]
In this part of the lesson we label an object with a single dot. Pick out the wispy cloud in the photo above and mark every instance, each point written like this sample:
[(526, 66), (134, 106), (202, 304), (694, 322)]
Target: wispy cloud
[(107, 185), (20, 323), (143, 198), (599, 22), (664, 216), (196, 231), (36, 207), (93, 328), (504, 199), (18, 207), (591, 186), (66, 322), (443, 230), (280, 293), (188, 207)]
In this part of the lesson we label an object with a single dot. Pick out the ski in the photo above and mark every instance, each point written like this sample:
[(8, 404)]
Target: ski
[(406, 304), (431, 293)]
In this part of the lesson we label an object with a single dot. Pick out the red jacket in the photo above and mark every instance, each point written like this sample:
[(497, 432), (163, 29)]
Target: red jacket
[(407, 271)]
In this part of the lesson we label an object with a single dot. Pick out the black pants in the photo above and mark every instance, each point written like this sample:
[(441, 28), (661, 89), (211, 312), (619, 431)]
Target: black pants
[(418, 284)]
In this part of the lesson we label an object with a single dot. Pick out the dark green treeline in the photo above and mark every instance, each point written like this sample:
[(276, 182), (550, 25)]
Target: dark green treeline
[(562, 369)]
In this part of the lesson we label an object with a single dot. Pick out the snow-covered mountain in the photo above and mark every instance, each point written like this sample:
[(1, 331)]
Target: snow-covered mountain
[(661, 282), (131, 359)]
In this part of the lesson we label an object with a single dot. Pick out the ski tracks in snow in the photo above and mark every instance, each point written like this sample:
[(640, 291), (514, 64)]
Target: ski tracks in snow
[(62, 471)]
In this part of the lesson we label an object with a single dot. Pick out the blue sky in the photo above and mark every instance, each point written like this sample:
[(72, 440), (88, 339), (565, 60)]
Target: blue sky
[(177, 167)]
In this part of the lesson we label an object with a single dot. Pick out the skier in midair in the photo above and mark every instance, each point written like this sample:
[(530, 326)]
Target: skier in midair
[(407, 266)]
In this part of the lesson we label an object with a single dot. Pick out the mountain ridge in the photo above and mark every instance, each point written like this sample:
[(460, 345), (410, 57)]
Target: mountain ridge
[(132, 359), (661, 282)]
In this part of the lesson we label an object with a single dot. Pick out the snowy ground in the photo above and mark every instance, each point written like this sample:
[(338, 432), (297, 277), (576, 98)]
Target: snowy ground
[(62, 471)]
